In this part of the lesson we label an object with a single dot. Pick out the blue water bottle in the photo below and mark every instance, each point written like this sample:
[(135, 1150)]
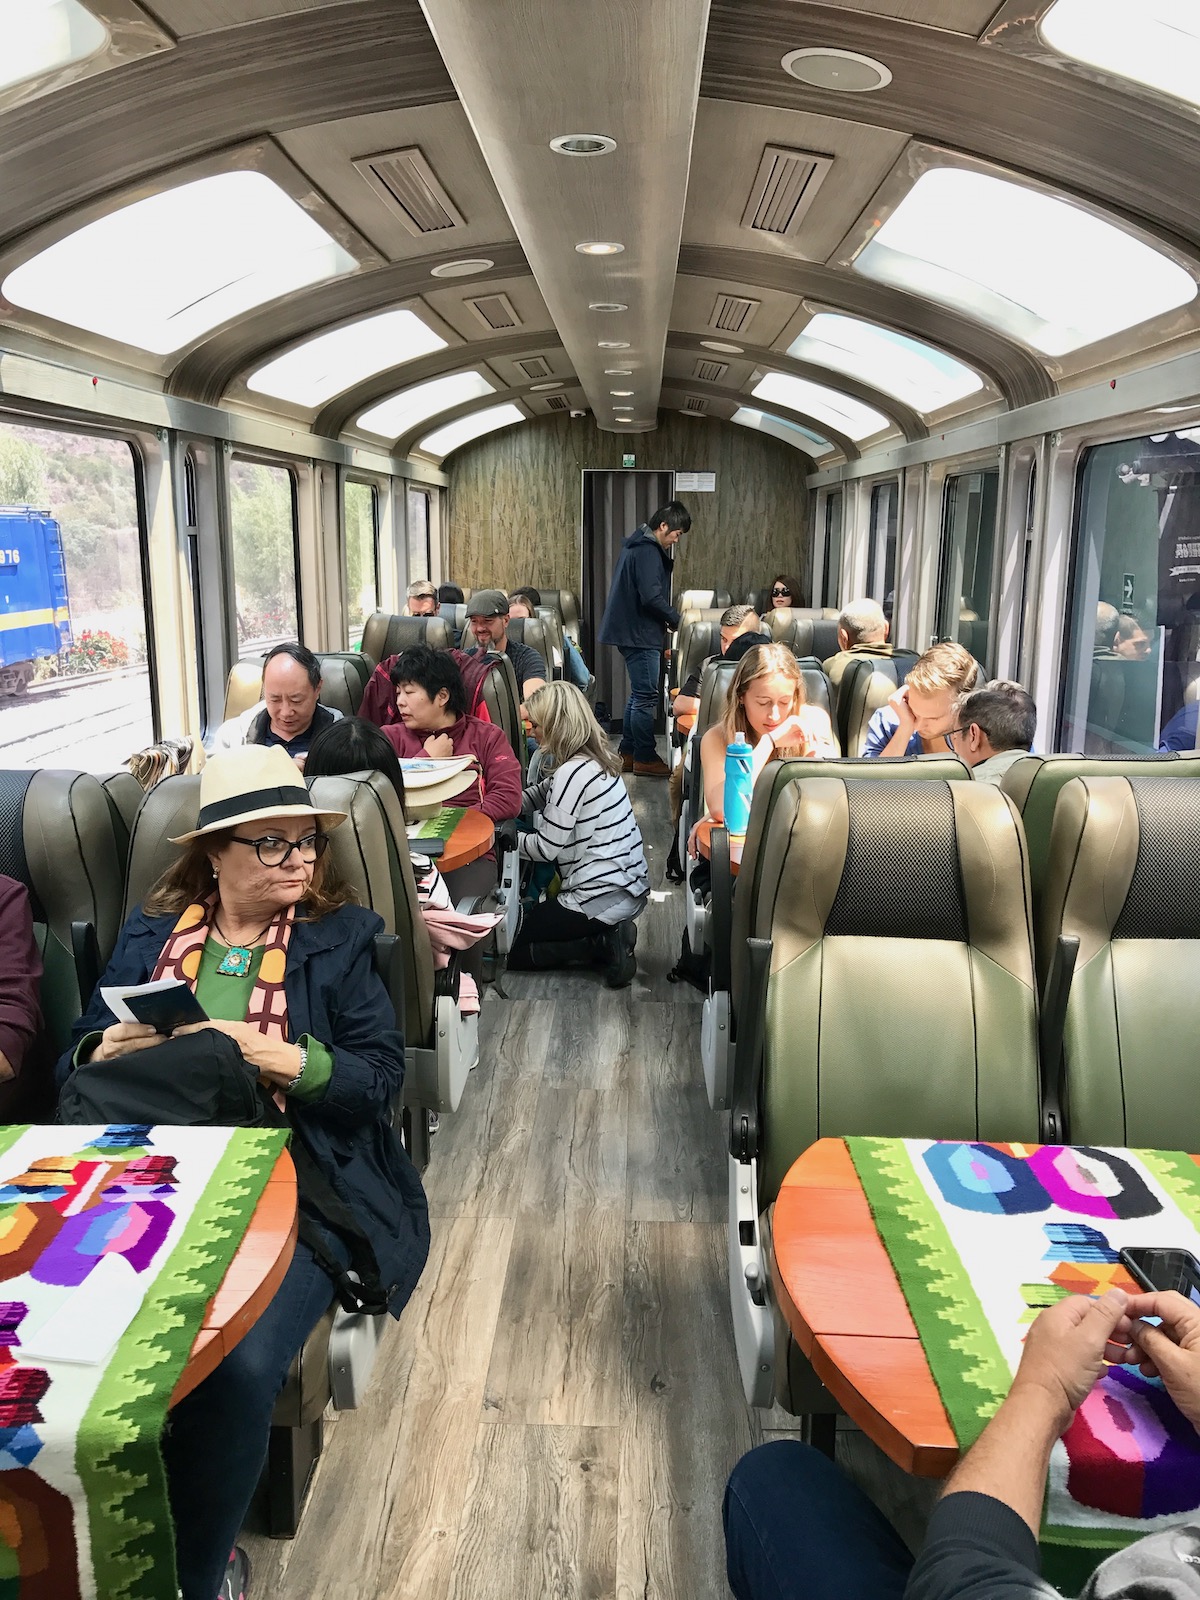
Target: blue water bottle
[(738, 786)]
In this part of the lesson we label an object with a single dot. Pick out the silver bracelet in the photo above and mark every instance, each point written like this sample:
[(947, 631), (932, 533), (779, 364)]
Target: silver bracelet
[(303, 1063)]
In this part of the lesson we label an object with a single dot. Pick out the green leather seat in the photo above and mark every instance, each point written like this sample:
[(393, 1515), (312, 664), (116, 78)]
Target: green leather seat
[(533, 632), (868, 683), (566, 603), (1034, 784), (386, 634), (502, 696), (703, 599), (889, 990), (813, 636), (1122, 874), (344, 676)]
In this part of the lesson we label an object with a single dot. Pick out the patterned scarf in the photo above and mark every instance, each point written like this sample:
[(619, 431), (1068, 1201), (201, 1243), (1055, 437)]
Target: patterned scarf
[(181, 954)]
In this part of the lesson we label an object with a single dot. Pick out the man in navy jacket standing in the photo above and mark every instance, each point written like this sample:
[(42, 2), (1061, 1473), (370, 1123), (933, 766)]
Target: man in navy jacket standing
[(638, 612)]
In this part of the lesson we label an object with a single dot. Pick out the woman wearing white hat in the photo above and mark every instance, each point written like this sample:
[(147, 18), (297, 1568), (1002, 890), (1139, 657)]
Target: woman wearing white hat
[(254, 920)]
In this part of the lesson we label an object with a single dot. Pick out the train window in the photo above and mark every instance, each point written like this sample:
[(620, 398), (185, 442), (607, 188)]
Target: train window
[(881, 547), (966, 566), (403, 411), (74, 680), (790, 432), (831, 569), (162, 271), (362, 558), (420, 555), (454, 434), (924, 378), (262, 526), (838, 411), (1155, 42), (1043, 270), (1133, 665), (40, 38), (320, 368)]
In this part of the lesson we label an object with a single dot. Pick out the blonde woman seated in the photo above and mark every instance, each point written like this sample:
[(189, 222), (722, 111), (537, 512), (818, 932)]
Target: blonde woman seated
[(583, 823), (767, 708)]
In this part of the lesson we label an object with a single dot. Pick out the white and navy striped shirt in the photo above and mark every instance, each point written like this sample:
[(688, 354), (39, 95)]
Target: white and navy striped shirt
[(584, 823)]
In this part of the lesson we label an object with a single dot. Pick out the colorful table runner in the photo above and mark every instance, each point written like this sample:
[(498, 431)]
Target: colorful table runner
[(439, 827), (112, 1242), (982, 1236)]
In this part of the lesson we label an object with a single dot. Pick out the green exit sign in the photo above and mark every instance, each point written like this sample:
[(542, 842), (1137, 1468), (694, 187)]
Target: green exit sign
[(628, 461)]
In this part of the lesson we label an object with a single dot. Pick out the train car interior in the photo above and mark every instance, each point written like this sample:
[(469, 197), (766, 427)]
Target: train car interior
[(516, 415)]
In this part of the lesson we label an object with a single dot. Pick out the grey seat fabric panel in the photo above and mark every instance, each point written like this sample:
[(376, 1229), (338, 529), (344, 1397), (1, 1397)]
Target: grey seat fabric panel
[(169, 809), (341, 685), (502, 697), (697, 641), (455, 617), (359, 666), (125, 796), (532, 631), (862, 887), (813, 636), (386, 634), (566, 603), (552, 624)]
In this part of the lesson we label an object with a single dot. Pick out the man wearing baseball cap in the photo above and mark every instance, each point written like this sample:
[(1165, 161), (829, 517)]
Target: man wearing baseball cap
[(487, 618)]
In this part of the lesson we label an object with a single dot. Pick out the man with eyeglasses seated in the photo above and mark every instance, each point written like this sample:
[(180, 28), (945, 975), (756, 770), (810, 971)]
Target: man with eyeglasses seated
[(995, 729), (289, 713)]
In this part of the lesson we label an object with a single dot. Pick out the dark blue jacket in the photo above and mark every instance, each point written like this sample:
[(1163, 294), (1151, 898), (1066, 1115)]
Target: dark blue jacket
[(639, 603), (335, 995)]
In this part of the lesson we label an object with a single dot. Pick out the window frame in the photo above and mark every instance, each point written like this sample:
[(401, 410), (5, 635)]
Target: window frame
[(278, 464), (945, 628), (371, 485)]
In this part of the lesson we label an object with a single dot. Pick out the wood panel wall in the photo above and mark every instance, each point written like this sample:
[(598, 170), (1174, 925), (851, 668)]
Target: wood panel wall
[(514, 502)]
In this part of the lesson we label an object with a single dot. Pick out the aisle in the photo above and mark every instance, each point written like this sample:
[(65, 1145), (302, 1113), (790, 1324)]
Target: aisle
[(558, 1409)]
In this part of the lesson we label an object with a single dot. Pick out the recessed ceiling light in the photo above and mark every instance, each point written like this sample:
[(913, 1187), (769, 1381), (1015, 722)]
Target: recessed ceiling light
[(606, 305), (539, 388), (845, 70), (612, 344), (461, 269), (599, 247), (617, 372), (725, 349), (619, 392), (583, 144)]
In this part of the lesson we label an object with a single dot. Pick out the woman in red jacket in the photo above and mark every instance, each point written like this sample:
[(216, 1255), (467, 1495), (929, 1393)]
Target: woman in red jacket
[(432, 702)]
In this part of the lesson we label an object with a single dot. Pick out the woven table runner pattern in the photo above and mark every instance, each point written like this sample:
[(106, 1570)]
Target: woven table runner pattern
[(982, 1237), (112, 1242), (441, 826)]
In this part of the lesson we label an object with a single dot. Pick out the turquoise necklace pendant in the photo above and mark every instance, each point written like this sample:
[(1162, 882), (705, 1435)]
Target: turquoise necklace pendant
[(236, 962)]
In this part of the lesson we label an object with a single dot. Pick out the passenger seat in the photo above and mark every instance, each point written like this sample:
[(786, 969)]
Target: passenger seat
[(342, 683), (533, 632), (889, 991), (386, 634), (1120, 953), (868, 683), (566, 603), (703, 600)]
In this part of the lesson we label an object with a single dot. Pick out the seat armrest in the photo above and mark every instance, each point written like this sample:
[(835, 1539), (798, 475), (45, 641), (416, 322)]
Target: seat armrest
[(506, 834), (86, 952), (748, 1053), (388, 964), (1051, 1028), (720, 936)]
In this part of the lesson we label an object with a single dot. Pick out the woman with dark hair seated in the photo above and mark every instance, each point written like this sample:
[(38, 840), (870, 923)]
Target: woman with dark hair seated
[(432, 702), (254, 920), (786, 591), (449, 594)]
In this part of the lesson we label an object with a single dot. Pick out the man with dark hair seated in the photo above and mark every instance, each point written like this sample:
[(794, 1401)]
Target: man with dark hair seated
[(289, 712), (20, 979), (995, 729)]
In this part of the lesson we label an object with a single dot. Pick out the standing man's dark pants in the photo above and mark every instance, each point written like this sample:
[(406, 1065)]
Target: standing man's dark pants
[(637, 726)]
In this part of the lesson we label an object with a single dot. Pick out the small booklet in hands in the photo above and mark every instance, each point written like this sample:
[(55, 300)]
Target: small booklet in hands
[(164, 1006)]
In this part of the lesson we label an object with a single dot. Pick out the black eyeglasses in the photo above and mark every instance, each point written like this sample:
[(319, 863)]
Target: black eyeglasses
[(774, 592), (274, 852)]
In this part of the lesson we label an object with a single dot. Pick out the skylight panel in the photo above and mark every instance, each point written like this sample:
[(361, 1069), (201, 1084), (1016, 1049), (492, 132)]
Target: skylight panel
[(405, 410), (1155, 42), (444, 440), (839, 411), (922, 377), (38, 36), (1038, 268), (320, 368), (163, 271), (790, 432)]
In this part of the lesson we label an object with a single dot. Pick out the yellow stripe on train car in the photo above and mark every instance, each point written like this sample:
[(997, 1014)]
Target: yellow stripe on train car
[(33, 619)]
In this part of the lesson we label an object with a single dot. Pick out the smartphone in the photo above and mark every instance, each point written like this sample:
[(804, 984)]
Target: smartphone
[(1164, 1269)]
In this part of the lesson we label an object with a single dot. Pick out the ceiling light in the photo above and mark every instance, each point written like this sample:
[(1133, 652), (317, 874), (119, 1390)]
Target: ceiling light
[(316, 370), (1157, 44), (619, 392), (612, 344), (599, 247), (540, 388), (583, 144), (725, 349), (617, 372), (606, 305), (845, 70), (47, 36), (461, 269)]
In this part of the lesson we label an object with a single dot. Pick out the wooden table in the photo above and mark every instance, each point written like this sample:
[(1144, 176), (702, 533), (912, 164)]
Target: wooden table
[(835, 1285), (704, 844), (473, 837), (251, 1280)]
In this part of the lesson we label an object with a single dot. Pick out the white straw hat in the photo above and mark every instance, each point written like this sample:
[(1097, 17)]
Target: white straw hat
[(250, 785)]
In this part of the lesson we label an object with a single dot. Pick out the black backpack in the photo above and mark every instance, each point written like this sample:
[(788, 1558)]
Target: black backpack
[(203, 1080)]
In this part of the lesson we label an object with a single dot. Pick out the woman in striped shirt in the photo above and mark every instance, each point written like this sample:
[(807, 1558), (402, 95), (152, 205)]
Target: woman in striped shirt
[(583, 823)]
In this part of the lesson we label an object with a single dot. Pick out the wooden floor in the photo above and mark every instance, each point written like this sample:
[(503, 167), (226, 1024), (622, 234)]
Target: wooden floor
[(558, 1409)]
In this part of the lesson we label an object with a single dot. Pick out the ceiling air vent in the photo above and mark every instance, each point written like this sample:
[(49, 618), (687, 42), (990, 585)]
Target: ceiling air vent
[(558, 402), (711, 371), (535, 367), (406, 182), (732, 313), (695, 404), (495, 311), (784, 187)]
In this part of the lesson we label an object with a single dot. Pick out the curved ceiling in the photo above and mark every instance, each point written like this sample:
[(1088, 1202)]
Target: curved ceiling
[(741, 196)]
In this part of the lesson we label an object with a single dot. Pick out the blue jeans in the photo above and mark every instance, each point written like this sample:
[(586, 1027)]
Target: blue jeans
[(575, 668), (637, 726), (796, 1528), (216, 1437)]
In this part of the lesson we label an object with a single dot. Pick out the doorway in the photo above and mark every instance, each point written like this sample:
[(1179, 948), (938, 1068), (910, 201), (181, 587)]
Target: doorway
[(614, 504)]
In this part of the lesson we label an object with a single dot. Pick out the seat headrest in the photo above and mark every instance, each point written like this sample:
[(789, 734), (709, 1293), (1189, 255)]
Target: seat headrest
[(60, 838), (387, 633), (169, 809), (1162, 902)]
